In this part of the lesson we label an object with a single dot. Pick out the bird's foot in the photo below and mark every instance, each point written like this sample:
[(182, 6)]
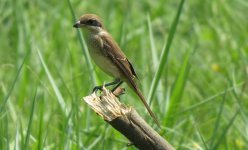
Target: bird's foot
[(96, 88)]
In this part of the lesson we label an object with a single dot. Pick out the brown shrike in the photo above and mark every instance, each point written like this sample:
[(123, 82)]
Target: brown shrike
[(108, 56)]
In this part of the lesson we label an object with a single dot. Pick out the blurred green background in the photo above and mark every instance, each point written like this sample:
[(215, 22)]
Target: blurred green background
[(201, 98)]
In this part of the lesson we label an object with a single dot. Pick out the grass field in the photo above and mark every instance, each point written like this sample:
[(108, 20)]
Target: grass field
[(192, 64)]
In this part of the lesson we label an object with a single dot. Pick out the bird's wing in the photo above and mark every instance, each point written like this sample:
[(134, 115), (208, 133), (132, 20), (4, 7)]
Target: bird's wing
[(112, 50)]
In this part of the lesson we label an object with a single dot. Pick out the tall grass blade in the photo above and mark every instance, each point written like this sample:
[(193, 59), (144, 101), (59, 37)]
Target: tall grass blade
[(164, 57), (30, 121), (16, 147), (217, 123), (54, 86), (211, 98), (177, 91), (40, 139), (12, 85), (84, 47), (160, 95), (152, 43), (199, 134), (222, 137)]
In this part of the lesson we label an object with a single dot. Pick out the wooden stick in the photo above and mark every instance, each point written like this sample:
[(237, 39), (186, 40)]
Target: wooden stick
[(127, 121)]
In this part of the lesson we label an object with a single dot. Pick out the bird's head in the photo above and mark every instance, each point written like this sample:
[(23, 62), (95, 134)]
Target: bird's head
[(90, 23)]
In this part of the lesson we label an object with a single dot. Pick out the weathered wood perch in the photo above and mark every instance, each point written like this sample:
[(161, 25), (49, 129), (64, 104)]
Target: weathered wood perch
[(127, 121)]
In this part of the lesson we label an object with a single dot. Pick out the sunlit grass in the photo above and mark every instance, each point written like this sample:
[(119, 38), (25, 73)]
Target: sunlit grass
[(196, 81)]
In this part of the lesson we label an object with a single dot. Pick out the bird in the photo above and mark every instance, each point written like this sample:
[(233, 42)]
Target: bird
[(109, 57)]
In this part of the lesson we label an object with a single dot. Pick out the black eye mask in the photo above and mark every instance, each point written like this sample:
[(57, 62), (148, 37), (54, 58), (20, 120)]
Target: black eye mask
[(92, 22)]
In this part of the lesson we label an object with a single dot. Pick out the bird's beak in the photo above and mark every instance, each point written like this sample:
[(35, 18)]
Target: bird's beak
[(77, 24)]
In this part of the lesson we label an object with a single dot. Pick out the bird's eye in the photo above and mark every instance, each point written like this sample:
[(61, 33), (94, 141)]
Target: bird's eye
[(93, 23)]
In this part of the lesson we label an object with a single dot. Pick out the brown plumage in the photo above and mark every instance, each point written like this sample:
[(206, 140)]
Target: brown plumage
[(108, 56)]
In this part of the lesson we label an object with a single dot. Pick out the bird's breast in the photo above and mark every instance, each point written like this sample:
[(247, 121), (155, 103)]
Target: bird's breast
[(103, 61)]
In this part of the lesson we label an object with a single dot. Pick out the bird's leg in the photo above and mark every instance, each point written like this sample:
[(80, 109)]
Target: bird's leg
[(107, 84)]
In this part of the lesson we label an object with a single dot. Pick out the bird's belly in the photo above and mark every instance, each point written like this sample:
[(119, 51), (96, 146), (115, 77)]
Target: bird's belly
[(104, 63)]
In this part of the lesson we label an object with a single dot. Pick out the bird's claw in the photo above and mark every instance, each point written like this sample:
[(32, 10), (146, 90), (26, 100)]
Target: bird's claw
[(96, 88)]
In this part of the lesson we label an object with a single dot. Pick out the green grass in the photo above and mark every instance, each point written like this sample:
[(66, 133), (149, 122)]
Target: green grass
[(192, 65)]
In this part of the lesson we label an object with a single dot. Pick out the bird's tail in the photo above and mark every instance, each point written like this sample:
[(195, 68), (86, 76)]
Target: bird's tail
[(134, 86), (147, 106)]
